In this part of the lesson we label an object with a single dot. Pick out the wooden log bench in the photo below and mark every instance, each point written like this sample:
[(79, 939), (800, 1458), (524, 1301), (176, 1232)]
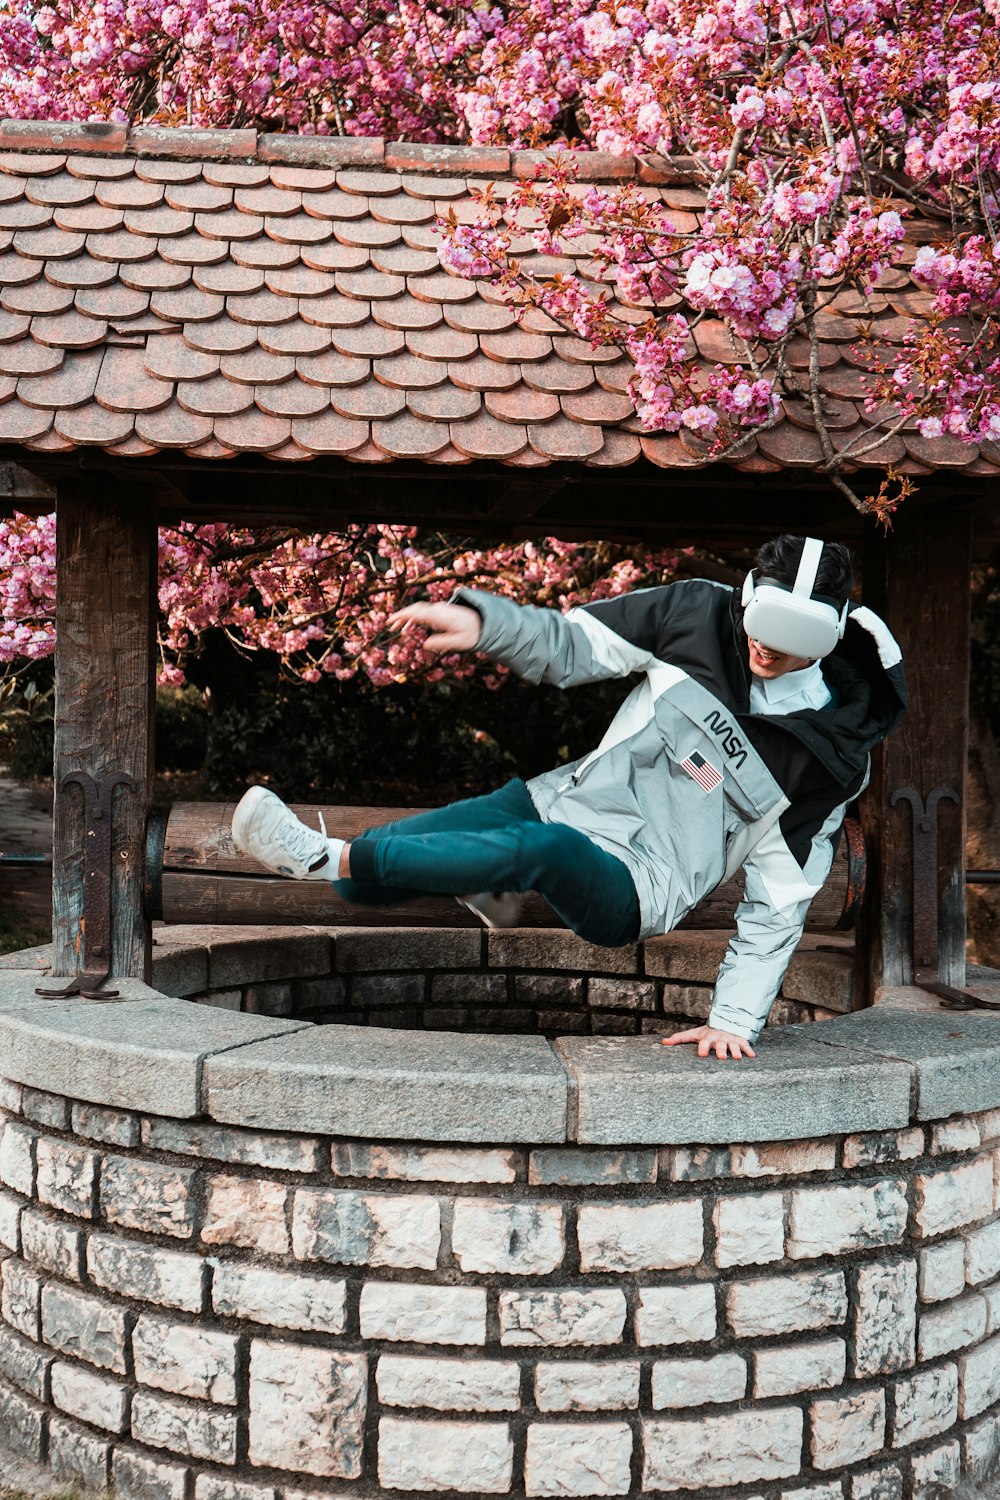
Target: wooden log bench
[(195, 873)]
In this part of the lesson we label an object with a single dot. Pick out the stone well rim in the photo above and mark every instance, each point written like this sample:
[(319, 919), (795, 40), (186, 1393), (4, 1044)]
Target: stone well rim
[(902, 1062)]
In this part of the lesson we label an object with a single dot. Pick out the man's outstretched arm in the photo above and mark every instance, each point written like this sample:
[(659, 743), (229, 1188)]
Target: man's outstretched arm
[(590, 643)]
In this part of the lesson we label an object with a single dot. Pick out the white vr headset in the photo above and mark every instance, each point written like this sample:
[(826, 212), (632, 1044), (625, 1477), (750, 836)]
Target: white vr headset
[(790, 619)]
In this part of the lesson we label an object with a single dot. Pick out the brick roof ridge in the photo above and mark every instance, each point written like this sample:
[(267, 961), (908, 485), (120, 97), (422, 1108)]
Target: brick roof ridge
[(187, 142)]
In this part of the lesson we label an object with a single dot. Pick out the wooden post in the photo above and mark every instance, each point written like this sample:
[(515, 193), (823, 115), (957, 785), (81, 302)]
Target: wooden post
[(105, 698), (918, 580)]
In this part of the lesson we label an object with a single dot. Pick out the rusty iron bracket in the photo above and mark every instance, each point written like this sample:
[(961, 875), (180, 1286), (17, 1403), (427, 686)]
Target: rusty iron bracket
[(925, 899), (98, 802)]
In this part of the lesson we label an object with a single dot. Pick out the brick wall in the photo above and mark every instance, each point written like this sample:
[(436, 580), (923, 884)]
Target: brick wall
[(209, 1313), (530, 981)]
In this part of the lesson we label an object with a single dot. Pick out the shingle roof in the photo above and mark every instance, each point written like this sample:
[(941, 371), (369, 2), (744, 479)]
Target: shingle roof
[(220, 292)]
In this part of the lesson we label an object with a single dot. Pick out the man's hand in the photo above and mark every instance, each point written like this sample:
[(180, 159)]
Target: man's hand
[(710, 1038), (453, 627)]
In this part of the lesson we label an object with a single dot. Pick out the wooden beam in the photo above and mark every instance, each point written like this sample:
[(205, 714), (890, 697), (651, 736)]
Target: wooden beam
[(20, 489), (105, 696), (918, 580)]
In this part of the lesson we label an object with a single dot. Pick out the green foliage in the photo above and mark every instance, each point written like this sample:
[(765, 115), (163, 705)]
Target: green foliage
[(26, 722)]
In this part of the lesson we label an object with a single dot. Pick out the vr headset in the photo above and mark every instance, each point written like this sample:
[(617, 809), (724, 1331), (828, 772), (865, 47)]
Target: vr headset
[(791, 619)]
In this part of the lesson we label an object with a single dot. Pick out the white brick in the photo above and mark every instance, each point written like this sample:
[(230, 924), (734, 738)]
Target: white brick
[(955, 1197), (749, 1230), (989, 1126), (885, 1319), (307, 1409), (937, 1470), (578, 1458), (953, 1325), (979, 1379), (139, 1478), (247, 1213), (474, 1457), (85, 1327), (279, 1299), (815, 1366), (847, 1429), (815, 1492), (562, 1317), (926, 1405), (587, 1385), (10, 1218), (521, 1239), (981, 1444), (66, 1177), (367, 1229), (170, 1278), (675, 1314), (982, 1254), (698, 1382), (185, 1359), (482, 1385), (837, 1220), (991, 1295), (707, 1452), (423, 1163), (640, 1237), (76, 1455), (942, 1271), (95, 1399), (786, 1304), (877, 1484), (17, 1169), (961, 1133), (423, 1314), (185, 1430)]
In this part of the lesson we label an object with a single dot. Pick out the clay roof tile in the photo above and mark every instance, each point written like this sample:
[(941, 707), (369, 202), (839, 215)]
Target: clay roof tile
[(49, 243), (408, 313), (89, 218), (68, 330), (20, 423), (221, 336), (299, 338), (556, 375), (330, 433), (228, 279), (28, 358), (253, 431), (262, 307), (93, 426), (128, 192), (522, 405), (369, 400), (173, 427), (169, 358), (293, 398), (266, 253), (194, 250), (271, 201), (298, 229), (409, 372), (563, 439), (620, 449), (61, 188), (444, 403), (300, 281), (440, 342), (257, 366), (197, 197), (407, 436), (214, 397), (41, 296), (369, 340), (71, 385), (331, 368), (485, 437), (481, 374), (605, 408), (229, 224), (118, 304), (368, 234), (403, 260)]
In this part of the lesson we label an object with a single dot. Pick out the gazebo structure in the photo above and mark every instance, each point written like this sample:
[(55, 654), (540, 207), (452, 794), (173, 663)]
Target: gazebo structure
[(230, 326)]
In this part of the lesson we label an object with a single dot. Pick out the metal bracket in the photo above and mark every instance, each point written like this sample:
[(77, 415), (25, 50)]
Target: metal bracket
[(98, 802), (925, 899)]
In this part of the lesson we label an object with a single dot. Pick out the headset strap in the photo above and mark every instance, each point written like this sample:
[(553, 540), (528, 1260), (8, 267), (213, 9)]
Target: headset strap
[(812, 553)]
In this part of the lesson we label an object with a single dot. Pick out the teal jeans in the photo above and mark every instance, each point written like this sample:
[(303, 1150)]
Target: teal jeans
[(496, 843)]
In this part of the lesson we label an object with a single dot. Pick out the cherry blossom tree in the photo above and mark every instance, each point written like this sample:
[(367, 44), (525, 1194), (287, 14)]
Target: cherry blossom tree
[(815, 131)]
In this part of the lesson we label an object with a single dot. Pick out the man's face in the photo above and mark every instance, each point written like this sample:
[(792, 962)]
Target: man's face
[(770, 664)]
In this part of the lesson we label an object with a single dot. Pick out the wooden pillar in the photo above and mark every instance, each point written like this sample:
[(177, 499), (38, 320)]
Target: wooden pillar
[(105, 698), (918, 580)]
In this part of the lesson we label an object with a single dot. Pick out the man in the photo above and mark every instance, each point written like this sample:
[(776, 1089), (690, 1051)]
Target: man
[(747, 737)]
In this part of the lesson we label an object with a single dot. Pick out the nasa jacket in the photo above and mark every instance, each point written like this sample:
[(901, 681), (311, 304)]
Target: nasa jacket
[(687, 786)]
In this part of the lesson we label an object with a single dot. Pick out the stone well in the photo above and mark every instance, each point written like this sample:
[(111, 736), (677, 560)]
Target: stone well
[(248, 1257)]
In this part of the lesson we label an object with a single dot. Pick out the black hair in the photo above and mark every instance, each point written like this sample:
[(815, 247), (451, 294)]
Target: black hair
[(779, 559)]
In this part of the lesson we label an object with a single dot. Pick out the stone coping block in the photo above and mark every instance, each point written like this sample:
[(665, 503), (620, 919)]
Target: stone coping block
[(955, 1054), (881, 1069), (411, 1085), (633, 1091), (141, 1051)]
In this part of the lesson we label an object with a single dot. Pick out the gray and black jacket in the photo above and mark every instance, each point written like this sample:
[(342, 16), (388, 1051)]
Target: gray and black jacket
[(785, 780)]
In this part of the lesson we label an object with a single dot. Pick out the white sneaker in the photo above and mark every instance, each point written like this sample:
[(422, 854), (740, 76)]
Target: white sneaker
[(268, 831), (496, 908)]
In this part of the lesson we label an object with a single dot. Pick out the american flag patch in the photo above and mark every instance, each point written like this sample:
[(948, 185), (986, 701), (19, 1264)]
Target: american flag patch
[(704, 773)]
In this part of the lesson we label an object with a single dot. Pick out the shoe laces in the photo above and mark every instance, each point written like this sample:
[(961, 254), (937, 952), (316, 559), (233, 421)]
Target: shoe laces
[(299, 840)]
